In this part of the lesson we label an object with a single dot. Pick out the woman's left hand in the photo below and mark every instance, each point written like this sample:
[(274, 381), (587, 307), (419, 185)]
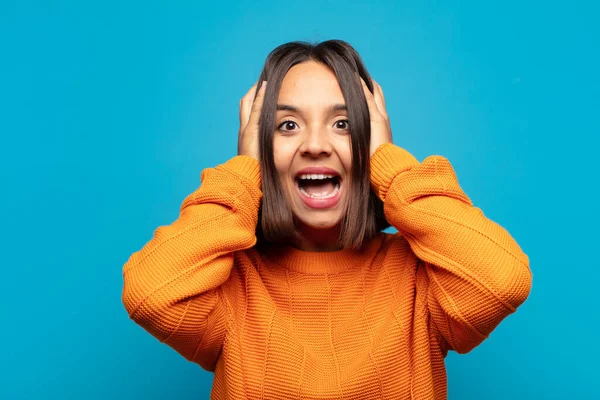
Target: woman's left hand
[(381, 131)]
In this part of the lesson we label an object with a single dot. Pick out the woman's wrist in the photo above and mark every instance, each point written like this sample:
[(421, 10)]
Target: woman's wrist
[(386, 163)]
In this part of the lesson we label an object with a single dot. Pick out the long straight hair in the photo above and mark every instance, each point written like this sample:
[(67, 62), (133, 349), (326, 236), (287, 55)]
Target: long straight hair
[(364, 215)]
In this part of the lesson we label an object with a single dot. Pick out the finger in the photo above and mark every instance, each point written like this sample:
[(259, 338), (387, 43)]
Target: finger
[(373, 108), (246, 105), (256, 106), (379, 100), (380, 90)]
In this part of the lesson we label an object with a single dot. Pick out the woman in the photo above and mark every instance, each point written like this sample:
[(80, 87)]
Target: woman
[(276, 275)]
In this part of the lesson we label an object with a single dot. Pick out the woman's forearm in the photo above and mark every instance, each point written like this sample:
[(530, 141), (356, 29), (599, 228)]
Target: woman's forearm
[(477, 272)]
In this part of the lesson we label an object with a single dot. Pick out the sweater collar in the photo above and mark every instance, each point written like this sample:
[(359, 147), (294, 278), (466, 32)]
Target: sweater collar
[(321, 262)]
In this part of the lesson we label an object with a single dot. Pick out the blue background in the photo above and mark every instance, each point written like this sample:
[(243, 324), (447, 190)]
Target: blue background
[(109, 112)]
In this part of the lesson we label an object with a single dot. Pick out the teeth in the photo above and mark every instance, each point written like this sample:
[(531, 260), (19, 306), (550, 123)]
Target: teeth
[(315, 176), (323, 195)]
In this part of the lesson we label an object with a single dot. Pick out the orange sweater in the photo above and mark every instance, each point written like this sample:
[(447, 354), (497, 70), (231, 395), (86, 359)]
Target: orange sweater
[(291, 324)]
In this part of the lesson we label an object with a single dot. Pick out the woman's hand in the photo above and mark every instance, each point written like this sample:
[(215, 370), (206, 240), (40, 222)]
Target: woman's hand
[(249, 116), (381, 131)]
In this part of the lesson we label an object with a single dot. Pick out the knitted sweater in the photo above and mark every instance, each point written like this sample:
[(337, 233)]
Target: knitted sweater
[(283, 323)]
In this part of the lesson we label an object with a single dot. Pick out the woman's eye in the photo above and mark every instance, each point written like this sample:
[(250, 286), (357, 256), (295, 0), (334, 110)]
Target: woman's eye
[(342, 124), (287, 126)]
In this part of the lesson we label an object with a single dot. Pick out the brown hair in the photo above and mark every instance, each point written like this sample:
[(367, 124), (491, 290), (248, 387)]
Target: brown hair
[(364, 216)]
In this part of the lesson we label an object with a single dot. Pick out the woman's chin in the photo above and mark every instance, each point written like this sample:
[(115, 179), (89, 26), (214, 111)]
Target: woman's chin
[(320, 225)]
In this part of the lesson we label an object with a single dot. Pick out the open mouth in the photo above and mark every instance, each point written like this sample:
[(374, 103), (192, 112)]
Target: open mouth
[(318, 186)]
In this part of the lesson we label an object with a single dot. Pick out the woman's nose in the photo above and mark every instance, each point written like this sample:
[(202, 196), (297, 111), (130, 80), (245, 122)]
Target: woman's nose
[(316, 142)]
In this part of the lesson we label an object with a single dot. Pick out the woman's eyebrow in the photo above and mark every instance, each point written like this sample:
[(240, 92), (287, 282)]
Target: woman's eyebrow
[(334, 107), (339, 107), (286, 107)]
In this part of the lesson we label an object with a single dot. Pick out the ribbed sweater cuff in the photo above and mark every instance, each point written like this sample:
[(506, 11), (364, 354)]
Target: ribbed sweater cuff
[(387, 162), (247, 167)]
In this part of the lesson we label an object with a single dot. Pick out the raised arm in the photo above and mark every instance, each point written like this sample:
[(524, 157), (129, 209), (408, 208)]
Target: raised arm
[(477, 273), (171, 286)]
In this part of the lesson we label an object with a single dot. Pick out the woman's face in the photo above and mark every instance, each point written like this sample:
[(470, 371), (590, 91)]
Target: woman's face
[(312, 148)]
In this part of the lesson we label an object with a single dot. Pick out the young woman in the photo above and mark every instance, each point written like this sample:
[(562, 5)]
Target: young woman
[(277, 277)]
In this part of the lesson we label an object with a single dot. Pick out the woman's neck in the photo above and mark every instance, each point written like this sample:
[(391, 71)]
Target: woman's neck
[(318, 239)]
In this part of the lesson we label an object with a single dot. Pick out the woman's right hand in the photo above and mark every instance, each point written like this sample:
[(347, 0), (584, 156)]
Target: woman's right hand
[(250, 109)]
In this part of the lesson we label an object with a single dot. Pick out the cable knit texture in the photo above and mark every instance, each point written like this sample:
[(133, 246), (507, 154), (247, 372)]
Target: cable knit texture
[(282, 323)]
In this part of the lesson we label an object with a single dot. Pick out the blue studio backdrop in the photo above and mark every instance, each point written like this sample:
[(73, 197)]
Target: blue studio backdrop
[(110, 110)]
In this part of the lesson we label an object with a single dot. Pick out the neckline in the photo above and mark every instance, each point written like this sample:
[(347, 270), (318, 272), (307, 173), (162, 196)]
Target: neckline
[(321, 262)]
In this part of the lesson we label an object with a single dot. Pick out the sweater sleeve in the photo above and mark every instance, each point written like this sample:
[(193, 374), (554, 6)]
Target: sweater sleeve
[(172, 285), (477, 273)]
